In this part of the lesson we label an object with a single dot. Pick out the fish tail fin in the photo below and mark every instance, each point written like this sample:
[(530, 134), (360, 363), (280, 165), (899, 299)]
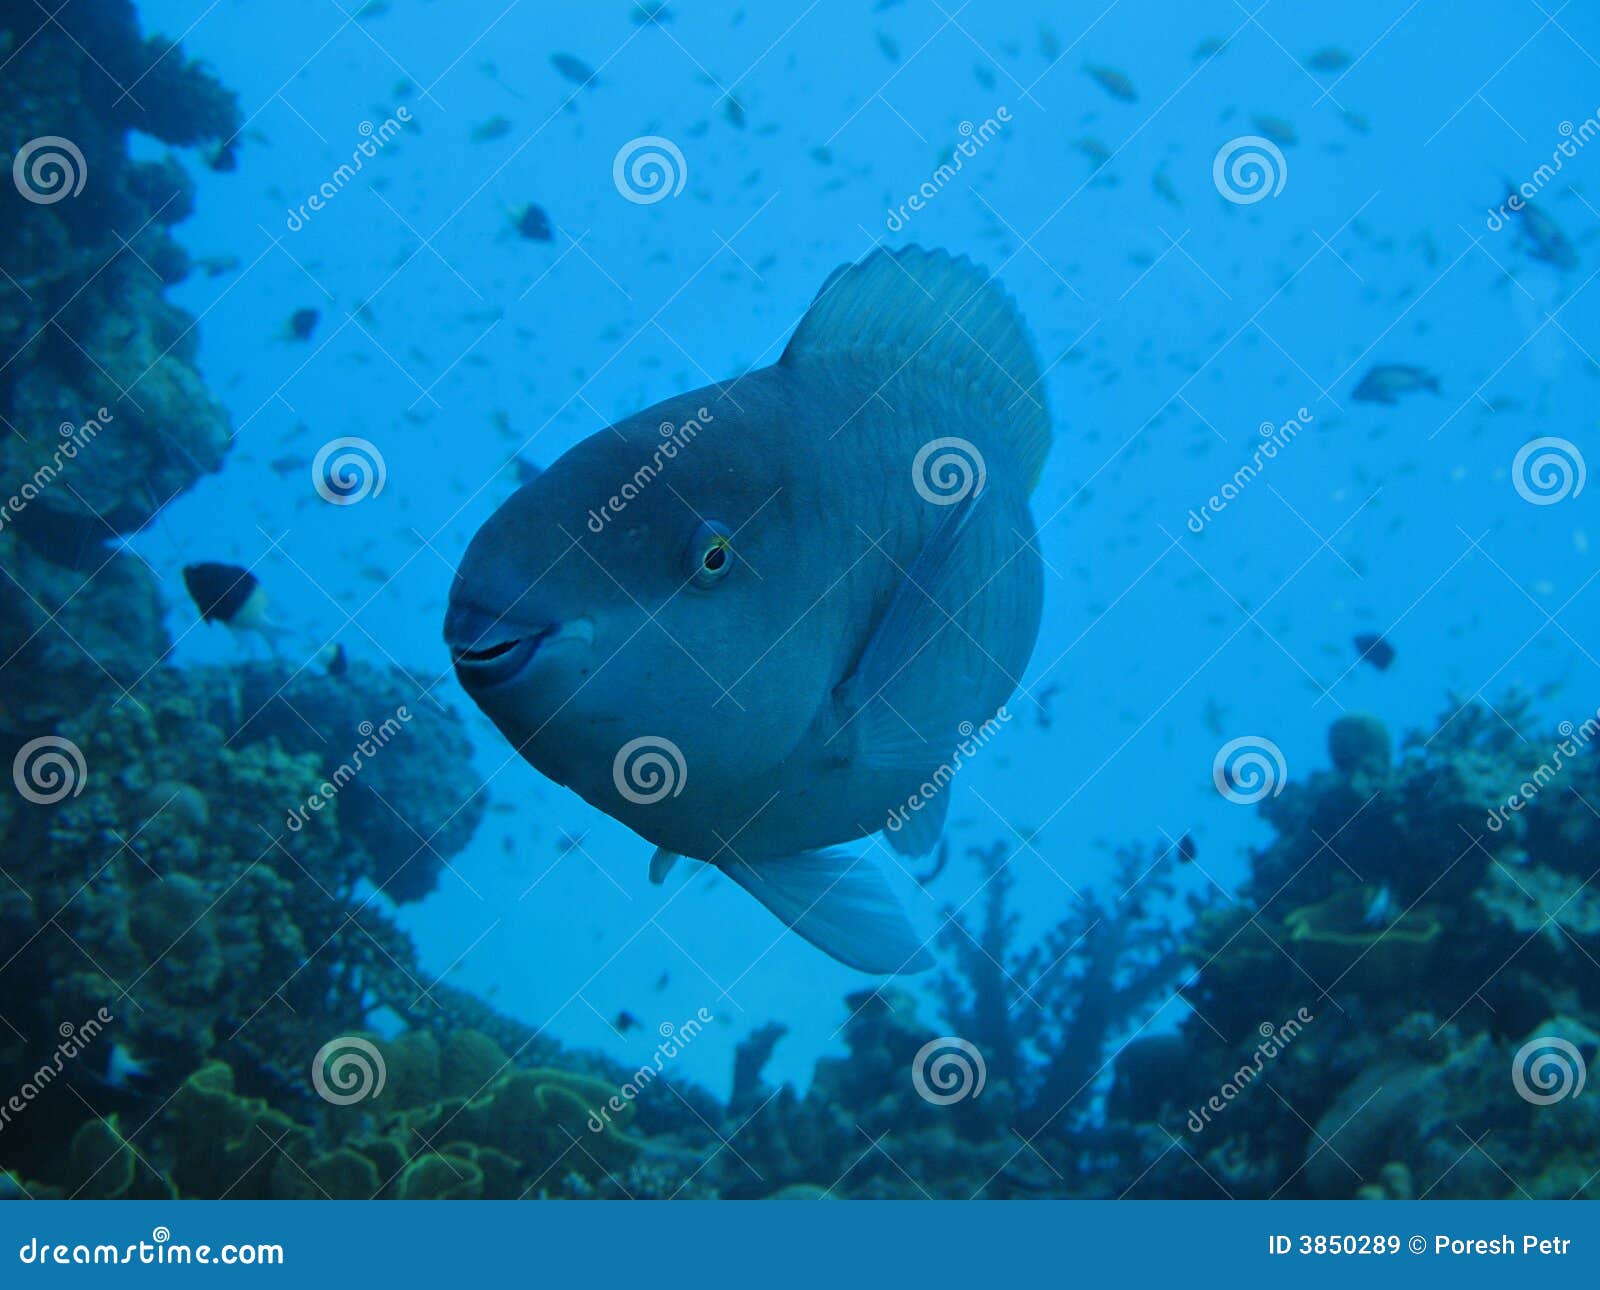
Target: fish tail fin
[(839, 902), (941, 311)]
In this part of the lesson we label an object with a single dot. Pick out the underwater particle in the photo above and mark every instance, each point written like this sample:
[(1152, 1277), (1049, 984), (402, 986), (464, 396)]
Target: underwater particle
[(531, 223), (1359, 741), (574, 69), (1113, 82), (1386, 382), (1373, 648), (230, 595), (302, 322)]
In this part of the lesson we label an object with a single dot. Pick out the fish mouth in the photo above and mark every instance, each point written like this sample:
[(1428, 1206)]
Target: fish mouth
[(488, 651)]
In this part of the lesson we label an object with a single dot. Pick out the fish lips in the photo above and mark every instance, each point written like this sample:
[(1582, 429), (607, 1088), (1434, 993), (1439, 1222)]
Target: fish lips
[(489, 650)]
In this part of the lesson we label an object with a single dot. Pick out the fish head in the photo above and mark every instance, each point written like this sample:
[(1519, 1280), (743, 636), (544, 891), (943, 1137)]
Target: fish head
[(645, 590)]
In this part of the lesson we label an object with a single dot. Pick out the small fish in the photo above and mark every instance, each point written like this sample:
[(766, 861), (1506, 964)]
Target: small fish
[(1278, 130), (1547, 241), (224, 157), (1113, 82), (302, 322), (288, 464), (1186, 848), (574, 69), (651, 13), (1330, 58), (496, 127), (625, 1022), (1373, 649), (661, 981), (1386, 382), (1379, 911), (1094, 149), (214, 266), (531, 223), (527, 471), (854, 662), (334, 660), (233, 596), (734, 111)]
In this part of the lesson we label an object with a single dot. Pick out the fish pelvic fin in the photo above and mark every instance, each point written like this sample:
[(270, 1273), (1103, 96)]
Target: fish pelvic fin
[(942, 312), (915, 832), (661, 865), (839, 902)]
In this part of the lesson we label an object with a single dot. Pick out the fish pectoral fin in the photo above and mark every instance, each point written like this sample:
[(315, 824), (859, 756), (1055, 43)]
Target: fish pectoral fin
[(839, 902), (661, 864), (920, 832), (898, 693)]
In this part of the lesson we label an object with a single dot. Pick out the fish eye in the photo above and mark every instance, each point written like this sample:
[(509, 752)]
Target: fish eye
[(710, 554)]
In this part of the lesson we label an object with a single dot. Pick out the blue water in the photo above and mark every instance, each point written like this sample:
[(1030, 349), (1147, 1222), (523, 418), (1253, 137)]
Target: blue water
[(1171, 325)]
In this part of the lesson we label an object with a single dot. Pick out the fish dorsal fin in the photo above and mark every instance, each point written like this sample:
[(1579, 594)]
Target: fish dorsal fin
[(934, 309)]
